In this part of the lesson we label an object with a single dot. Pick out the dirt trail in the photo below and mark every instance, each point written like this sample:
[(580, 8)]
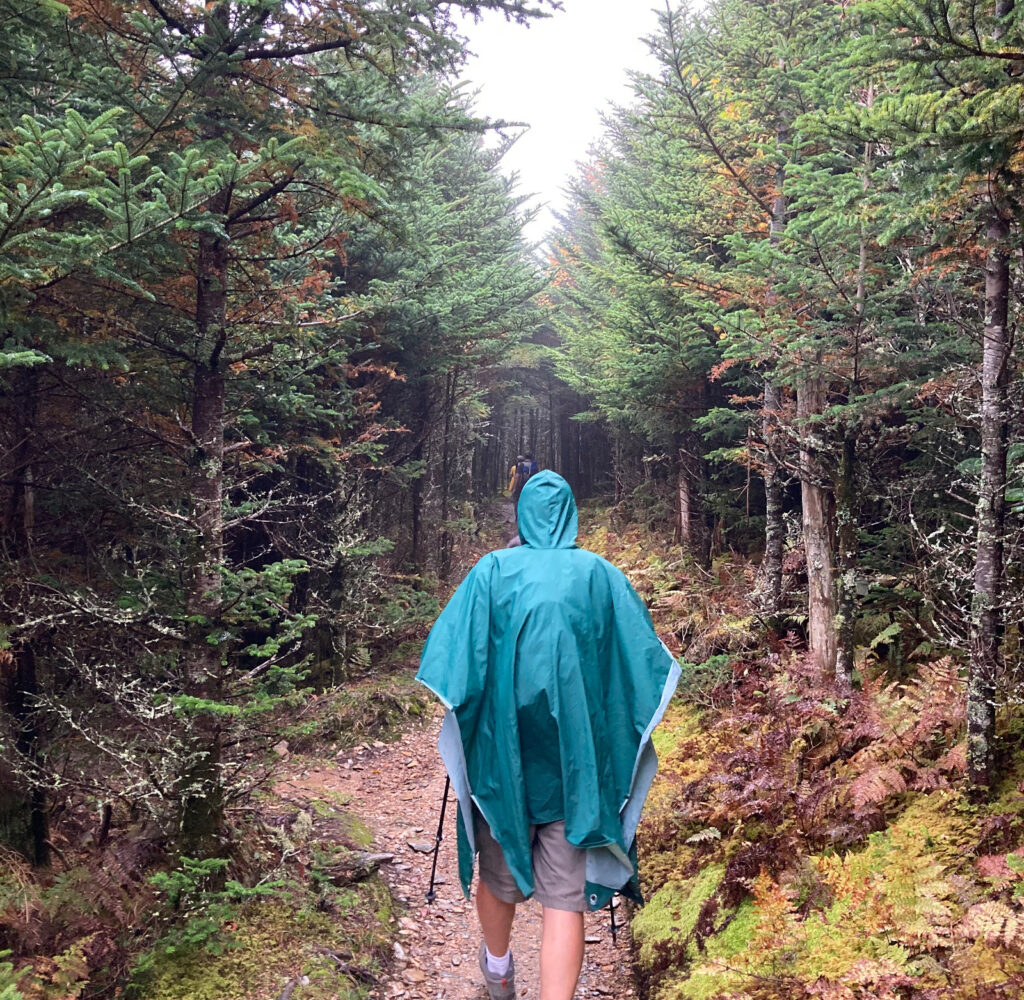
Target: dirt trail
[(396, 791)]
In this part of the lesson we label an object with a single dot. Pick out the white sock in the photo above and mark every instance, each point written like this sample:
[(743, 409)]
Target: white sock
[(498, 966)]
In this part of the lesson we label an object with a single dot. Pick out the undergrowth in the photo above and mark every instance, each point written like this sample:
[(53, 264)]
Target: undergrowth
[(118, 914), (332, 946), (126, 918), (797, 845), (371, 708)]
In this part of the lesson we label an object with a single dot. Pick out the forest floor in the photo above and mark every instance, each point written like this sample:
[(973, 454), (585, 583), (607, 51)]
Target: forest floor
[(395, 790), (792, 847)]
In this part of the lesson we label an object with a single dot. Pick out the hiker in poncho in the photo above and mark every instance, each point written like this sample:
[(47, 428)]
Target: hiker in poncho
[(554, 679)]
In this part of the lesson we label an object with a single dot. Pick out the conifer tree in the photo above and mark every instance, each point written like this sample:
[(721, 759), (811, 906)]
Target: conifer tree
[(957, 101), (717, 125), (211, 279)]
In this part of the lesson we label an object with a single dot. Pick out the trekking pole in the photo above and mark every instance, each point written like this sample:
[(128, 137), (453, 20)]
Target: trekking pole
[(440, 836), (611, 913)]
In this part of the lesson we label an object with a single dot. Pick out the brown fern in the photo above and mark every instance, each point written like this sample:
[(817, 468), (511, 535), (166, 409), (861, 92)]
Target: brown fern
[(996, 923), (876, 784)]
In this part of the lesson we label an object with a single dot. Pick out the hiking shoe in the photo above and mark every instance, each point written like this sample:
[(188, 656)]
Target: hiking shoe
[(498, 987)]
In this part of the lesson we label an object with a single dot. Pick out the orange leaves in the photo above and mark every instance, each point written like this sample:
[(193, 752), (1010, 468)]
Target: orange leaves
[(717, 371), (314, 284), (354, 371), (286, 210), (563, 279), (918, 746), (732, 111), (97, 14), (337, 243), (774, 907)]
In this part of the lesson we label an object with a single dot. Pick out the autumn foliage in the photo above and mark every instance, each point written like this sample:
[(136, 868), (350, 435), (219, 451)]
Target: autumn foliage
[(800, 845)]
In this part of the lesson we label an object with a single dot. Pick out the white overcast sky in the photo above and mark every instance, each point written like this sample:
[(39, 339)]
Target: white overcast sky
[(558, 75)]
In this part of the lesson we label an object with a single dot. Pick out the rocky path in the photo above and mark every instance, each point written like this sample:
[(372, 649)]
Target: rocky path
[(396, 791)]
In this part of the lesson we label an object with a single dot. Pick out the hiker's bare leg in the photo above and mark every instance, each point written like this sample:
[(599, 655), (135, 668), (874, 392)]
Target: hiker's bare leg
[(495, 919), (561, 954)]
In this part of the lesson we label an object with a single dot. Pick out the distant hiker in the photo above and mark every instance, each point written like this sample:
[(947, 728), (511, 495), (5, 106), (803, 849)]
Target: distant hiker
[(525, 467), (554, 679), (515, 486), (513, 470)]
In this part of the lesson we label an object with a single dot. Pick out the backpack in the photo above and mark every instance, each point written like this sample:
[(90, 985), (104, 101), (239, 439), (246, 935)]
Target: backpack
[(527, 469)]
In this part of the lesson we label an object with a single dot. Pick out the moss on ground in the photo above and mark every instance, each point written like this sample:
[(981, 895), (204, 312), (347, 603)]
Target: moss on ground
[(333, 942), (670, 916), (277, 940), (376, 708), (703, 979), (685, 752)]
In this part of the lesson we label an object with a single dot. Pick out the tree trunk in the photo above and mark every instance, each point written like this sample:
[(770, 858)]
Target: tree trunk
[(821, 600), (417, 492), (846, 589), (445, 542), (497, 478), (847, 513), (770, 577), (694, 533), (986, 609), (770, 582), (201, 785), (620, 485), (551, 422), (24, 820), (20, 515), (565, 450), (986, 605)]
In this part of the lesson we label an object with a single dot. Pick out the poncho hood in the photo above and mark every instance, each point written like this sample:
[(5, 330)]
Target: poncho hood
[(547, 513), (554, 679)]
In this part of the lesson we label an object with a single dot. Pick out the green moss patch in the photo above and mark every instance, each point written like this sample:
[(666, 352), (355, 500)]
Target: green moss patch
[(373, 709), (336, 951), (668, 920)]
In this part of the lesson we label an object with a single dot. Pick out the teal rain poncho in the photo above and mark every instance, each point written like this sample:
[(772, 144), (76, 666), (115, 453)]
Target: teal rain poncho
[(554, 679)]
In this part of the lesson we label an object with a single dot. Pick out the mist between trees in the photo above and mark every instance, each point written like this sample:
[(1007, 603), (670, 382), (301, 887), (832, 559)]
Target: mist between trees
[(273, 337)]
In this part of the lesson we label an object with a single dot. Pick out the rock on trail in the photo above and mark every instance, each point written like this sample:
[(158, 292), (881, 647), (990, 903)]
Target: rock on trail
[(396, 791)]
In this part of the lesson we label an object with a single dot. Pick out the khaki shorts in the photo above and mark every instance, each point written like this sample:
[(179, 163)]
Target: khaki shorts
[(559, 868)]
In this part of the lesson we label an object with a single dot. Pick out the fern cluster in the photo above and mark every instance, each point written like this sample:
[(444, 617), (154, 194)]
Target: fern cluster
[(801, 846)]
